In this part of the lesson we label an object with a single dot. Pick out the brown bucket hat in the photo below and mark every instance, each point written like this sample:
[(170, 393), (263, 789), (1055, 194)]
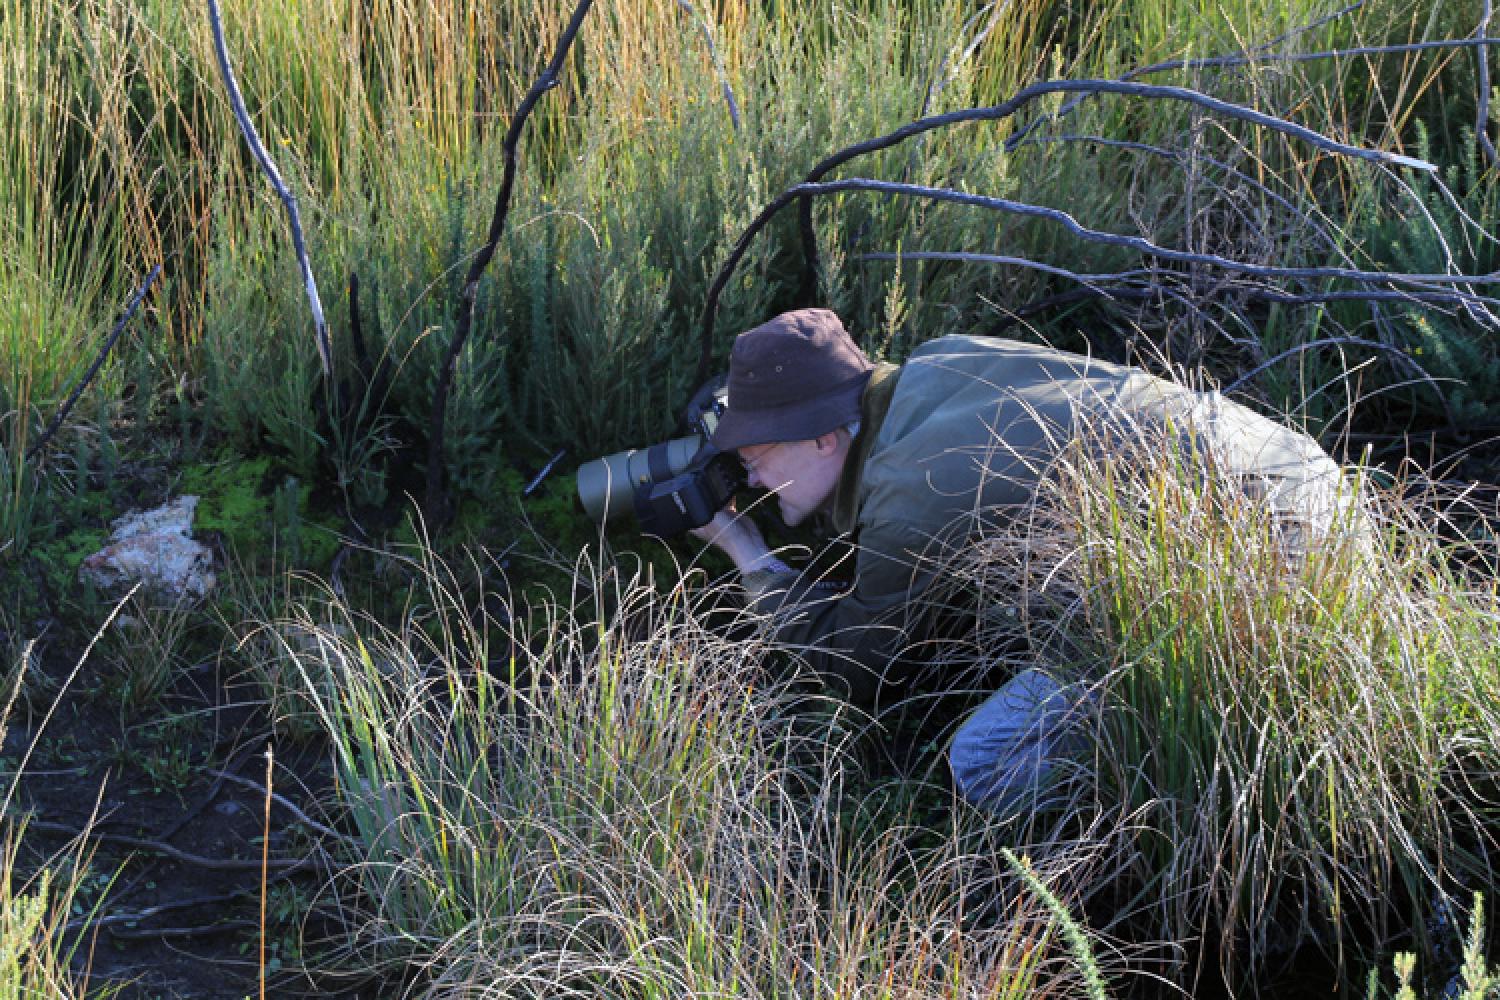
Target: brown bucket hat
[(792, 379)]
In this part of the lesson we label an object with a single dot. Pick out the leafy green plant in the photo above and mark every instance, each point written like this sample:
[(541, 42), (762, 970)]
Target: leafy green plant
[(1476, 980)]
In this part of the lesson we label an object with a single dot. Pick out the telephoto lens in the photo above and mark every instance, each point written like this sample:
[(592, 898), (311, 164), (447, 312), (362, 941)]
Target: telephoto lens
[(607, 486)]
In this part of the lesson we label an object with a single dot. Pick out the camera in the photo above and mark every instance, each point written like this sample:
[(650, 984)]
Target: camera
[(670, 487)]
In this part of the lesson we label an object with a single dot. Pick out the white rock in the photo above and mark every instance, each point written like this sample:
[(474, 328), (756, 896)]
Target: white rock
[(155, 548)]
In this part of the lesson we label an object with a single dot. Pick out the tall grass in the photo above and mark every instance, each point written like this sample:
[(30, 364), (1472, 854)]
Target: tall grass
[(1286, 754), (605, 799), (48, 243), (386, 117)]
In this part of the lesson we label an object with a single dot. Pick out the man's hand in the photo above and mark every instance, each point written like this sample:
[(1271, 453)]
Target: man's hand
[(737, 537)]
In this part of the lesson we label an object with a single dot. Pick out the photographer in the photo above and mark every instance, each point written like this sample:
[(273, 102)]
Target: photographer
[(905, 462)]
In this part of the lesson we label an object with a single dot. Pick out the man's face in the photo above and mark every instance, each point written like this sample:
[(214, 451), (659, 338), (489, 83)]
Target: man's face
[(802, 474)]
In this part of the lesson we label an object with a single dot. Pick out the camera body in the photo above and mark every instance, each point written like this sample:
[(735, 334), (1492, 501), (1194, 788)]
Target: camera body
[(671, 487)]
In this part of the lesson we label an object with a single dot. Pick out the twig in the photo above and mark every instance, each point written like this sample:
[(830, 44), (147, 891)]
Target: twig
[(713, 55), (1252, 58), (1133, 242), (288, 199), (1248, 59), (1193, 64), (540, 477), (813, 189), (1180, 158), (286, 804), (88, 376), (436, 500), (265, 867), (1482, 116)]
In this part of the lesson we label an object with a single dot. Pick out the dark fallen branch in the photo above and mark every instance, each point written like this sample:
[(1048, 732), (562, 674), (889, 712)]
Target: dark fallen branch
[(288, 199), (181, 933), (713, 55), (88, 376), (437, 512), (1025, 96), (287, 804), (164, 849)]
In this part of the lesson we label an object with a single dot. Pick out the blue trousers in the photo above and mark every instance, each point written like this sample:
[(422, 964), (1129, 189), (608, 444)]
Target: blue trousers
[(1010, 748)]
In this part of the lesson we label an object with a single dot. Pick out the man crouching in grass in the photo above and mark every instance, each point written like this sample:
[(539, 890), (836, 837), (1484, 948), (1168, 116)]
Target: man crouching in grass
[(905, 461)]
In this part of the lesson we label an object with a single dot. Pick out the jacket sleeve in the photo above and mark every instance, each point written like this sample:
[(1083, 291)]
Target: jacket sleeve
[(849, 636)]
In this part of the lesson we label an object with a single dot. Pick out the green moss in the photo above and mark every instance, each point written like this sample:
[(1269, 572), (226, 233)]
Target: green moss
[(232, 501), (260, 514), (59, 558)]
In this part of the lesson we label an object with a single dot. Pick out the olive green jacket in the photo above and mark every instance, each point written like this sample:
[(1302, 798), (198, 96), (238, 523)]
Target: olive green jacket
[(960, 437)]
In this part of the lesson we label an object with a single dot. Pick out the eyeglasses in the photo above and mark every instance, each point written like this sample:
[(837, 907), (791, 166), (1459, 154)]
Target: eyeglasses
[(752, 463)]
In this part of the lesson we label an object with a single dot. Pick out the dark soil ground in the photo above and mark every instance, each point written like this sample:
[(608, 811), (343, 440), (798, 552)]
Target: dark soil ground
[(170, 895), (171, 885)]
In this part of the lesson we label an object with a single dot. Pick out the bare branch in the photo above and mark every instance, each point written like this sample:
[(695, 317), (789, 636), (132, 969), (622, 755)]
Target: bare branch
[(88, 376), (713, 55), (436, 500), (1133, 242), (1026, 95), (289, 200), (1254, 58), (808, 190)]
